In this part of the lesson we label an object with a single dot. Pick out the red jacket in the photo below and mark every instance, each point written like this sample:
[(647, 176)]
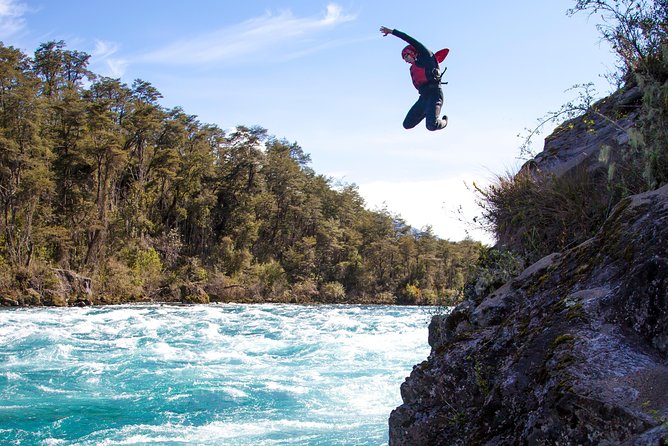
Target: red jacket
[(418, 74)]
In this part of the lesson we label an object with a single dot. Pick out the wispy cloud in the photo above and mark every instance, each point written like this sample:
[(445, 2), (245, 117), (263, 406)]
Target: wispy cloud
[(298, 53), (267, 32), (104, 53), (11, 17)]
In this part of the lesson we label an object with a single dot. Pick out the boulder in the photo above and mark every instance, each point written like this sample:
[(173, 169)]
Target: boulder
[(72, 289), (55, 298), (31, 297), (7, 301), (192, 293)]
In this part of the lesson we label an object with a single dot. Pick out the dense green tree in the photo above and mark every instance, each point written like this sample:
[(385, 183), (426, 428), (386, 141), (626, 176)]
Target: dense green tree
[(103, 144), (239, 188), (26, 178), (60, 69)]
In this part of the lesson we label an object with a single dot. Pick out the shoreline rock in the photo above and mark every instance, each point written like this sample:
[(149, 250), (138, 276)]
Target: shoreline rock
[(573, 351)]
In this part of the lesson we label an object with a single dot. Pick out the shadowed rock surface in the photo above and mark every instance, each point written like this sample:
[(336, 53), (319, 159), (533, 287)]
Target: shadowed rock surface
[(579, 142), (573, 351)]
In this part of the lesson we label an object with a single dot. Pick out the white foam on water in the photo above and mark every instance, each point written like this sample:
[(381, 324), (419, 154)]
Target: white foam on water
[(277, 386), (53, 441), (178, 397), (368, 395), (219, 374), (211, 333), (125, 396), (125, 343), (225, 355), (169, 352), (12, 376), (93, 368), (165, 351), (217, 431), (47, 389), (235, 392), (12, 333)]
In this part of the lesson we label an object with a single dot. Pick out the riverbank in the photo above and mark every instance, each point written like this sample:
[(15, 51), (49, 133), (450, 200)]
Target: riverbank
[(44, 285), (68, 289)]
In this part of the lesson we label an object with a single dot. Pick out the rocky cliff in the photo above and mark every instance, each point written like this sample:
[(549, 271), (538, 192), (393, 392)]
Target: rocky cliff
[(572, 351), (581, 141)]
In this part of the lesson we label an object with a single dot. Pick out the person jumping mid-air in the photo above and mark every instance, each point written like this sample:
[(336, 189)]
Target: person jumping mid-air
[(426, 76)]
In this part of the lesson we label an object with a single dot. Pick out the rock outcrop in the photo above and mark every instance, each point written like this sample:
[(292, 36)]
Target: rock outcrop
[(193, 294), (572, 351), (579, 142), (63, 288)]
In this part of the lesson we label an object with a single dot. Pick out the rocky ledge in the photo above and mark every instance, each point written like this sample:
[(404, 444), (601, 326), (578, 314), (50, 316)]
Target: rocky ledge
[(573, 351)]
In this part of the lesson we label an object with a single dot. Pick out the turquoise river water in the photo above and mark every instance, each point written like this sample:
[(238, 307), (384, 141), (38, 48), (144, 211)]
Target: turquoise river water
[(205, 375)]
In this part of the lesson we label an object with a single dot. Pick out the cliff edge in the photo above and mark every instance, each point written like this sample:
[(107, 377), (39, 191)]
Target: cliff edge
[(572, 351)]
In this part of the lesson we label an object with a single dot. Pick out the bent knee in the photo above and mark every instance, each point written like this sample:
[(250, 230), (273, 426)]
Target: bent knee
[(432, 126)]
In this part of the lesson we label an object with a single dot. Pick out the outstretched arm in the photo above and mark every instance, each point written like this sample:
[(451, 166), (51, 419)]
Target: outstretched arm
[(405, 37)]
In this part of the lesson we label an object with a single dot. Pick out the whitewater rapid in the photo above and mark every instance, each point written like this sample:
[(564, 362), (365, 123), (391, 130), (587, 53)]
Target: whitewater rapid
[(206, 374)]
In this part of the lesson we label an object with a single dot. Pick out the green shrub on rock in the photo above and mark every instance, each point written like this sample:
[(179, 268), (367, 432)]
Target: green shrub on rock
[(332, 292)]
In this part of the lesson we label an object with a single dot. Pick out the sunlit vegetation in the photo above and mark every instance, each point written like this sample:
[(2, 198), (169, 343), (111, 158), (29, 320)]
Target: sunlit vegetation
[(534, 214), (98, 178)]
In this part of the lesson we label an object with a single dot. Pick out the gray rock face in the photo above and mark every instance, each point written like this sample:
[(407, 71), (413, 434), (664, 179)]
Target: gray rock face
[(66, 289), (579, 142), (573, 351)]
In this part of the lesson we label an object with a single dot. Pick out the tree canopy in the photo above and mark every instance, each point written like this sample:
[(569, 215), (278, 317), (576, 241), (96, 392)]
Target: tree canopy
[(97, 177)]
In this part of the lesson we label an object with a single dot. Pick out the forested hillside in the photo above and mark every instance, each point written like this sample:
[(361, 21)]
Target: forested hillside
[(97, 178)]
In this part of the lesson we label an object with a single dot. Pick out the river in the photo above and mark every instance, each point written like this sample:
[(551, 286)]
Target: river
[(206, 374)]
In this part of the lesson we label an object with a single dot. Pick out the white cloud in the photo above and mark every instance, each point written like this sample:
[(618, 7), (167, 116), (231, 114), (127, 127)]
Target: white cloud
[(261, 33), (103, 54), (116, 67), (11, 17), (104, 49), (447, 205)]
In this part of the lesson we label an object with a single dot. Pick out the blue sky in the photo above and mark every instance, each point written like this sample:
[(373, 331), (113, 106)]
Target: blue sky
[(321, 74)]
